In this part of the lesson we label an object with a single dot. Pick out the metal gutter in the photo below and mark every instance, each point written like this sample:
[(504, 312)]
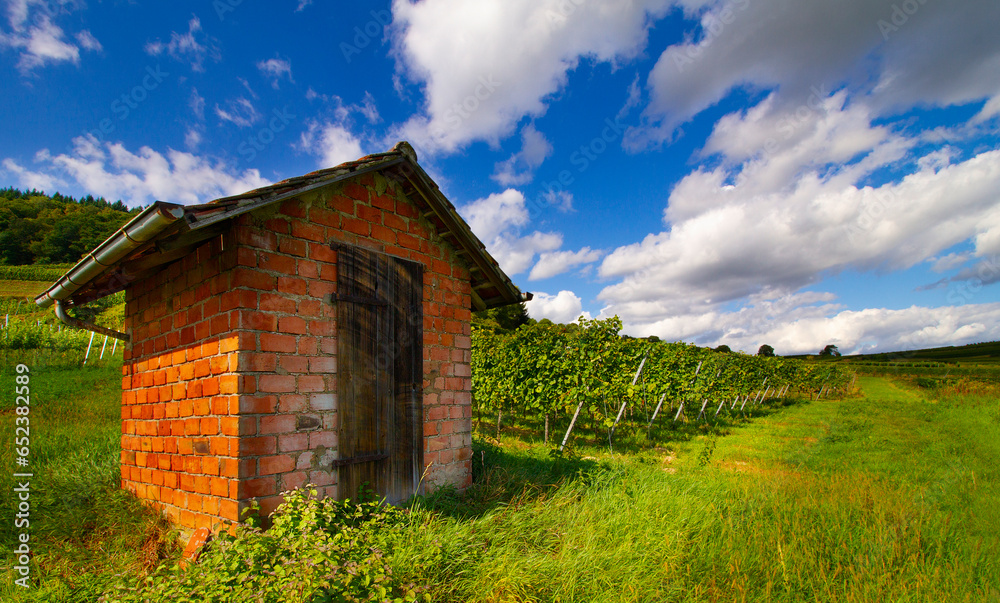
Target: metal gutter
[(139, 230), (89, 326)]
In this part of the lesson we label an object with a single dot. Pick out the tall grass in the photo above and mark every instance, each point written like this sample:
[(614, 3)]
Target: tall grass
[(84, 529), (889, 496)]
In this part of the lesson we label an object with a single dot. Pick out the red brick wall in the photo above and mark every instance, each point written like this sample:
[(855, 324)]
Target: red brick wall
[(234, 349)]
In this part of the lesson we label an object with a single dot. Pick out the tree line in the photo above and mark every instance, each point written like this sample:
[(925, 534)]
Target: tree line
[(36, 228)]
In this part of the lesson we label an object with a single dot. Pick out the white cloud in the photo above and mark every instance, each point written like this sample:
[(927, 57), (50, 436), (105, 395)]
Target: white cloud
[(497, 220), (769, 44), (563, 307), (43, 42), (495, 214), (948, 262), (302, 5), (332, 143), (187, 48), (29, 179), (112, 171), (484, 65), (520, 168), (786, 203), (806, 322), (275, 69), (552, 263), (192, 138), (368, 108), (87, 41), (197, 104), (239, 111)]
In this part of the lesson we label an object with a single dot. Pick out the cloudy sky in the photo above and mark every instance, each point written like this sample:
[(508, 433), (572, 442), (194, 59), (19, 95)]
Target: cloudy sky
[(739, 172)]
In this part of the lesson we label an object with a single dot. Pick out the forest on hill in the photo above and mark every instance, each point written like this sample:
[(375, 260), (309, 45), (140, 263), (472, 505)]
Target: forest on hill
[(36, 228)]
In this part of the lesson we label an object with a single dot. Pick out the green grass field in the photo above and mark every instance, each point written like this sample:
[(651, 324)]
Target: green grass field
[(886, 496)]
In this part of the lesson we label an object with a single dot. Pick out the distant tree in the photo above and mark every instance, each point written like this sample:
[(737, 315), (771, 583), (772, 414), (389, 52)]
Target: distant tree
[(723, 349), (653, 339), (830, 350), (503, 319), (765, 350)]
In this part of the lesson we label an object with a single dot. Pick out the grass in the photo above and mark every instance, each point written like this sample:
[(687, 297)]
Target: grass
[(22, 289), (83, 530), (885, 496)]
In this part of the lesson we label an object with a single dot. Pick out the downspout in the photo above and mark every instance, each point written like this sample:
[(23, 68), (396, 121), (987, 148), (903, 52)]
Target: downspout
[(89, 326)]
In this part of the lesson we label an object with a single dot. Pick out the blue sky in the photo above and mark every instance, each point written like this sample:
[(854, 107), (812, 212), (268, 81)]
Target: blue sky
[(741, 172)]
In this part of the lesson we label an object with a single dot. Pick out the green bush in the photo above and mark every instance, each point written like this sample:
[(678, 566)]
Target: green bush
[(316, 550)]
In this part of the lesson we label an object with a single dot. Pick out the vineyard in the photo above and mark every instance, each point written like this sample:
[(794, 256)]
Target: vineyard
[(554, 373)]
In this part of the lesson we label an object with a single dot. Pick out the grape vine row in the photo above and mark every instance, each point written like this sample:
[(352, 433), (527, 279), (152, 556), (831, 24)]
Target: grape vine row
[(546, 369)]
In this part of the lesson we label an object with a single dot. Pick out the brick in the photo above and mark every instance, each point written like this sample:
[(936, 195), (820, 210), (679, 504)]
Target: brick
[(277, 424), (320, 402), (274, 342), (311, 232), (311, 383), (323, 438), (277, 383), (383, 234), (270, 465), (293, 442), (292, 324), (253, 279), (258, 445), (356, 191), (360, 227), (257, 404), (293, 285), (294, 363), (296, 247), (274, 302), (395, 222), (261, 486)]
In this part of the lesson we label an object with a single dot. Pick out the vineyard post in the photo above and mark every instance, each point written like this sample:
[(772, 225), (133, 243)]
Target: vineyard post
[(114, 346), (721, 404), (572, 422), (701, 414), (656, 410), (747, 397), (621, 410), (87, 355), (103, 347), (764, 397)]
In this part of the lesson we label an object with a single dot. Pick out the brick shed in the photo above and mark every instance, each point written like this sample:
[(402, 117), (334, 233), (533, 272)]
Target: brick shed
[(317, 330)]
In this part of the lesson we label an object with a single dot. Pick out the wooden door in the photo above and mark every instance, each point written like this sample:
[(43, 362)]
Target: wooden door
[(379, 374)]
